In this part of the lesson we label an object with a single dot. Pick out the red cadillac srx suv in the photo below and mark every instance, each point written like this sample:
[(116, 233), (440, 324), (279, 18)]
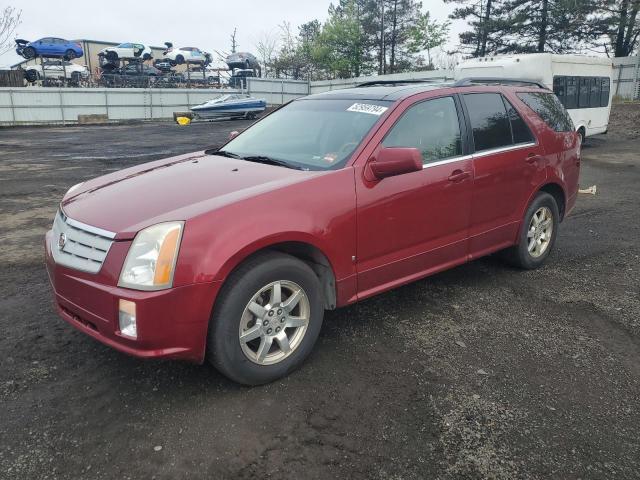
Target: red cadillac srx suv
[(234, 254)]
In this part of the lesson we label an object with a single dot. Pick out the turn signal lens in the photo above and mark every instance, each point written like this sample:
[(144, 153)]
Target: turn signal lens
[(152, 257), (127, 318)]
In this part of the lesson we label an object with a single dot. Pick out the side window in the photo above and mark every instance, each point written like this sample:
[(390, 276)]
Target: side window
[(519, 129), (549, 108), (432, 127), (583, 100), (489, 121), (560, 88), (605, 83), (595, 91), (572, 93)]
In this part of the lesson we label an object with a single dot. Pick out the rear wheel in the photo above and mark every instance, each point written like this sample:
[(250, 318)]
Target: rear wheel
[(29, 52), (537, 234), (266, 320), (179, 59), (70, 54)]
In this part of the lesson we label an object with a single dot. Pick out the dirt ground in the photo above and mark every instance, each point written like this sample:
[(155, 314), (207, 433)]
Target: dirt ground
[(479, 372)]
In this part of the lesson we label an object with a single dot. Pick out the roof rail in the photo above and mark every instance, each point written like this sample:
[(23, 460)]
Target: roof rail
[(468, 82), (399, 82)]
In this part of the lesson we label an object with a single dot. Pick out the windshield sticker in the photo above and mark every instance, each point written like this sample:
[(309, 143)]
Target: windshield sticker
[(367, 108)]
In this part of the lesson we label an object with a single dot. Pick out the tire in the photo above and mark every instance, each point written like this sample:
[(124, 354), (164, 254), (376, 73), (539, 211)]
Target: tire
[(29, 52), (583, 136), (179, 60), (75, 78), (112, 57), (70, 54), (146, 57), (241, 361), (31, 76), (521, 255)]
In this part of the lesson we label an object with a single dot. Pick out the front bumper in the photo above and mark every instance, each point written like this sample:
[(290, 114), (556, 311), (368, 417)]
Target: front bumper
[(171, 323)]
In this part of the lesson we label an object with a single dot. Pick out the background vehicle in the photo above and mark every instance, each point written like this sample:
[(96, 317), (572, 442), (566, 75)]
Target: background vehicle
[(205, 74), (331, 199), (49, 47), (582, 83), (231, 105), (132, 75), (126, 51), (56, 69), (239, 78), (178, 56)]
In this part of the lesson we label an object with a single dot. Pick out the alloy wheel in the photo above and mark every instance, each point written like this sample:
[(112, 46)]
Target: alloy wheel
[(540, 232), (274, 322)]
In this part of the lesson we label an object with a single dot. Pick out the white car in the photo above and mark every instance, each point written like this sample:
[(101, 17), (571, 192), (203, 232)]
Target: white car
[(126, 51), (178, 56), (56, 69)]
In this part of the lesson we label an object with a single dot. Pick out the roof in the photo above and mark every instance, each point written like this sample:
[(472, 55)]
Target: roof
[(401, 90), (384, 92)]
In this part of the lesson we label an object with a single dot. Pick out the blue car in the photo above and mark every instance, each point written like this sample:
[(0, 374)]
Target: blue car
[(49, 47)]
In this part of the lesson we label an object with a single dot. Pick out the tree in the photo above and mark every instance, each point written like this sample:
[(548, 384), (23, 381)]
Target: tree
[(622, 25), (341, 48), (401, 17), (558, 26), (234, 44), (9, 21), (428, 34), (483, 16), (266, 46)]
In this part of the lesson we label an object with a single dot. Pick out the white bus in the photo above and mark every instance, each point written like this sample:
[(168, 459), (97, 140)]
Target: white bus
[(582, 83)]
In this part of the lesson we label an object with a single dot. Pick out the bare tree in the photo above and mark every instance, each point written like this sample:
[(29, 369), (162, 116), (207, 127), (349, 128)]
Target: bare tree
[(9, 21), (234, 43), (266, 45)]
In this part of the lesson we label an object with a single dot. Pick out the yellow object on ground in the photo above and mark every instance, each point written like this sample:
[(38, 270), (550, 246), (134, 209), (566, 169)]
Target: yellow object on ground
[(183, 120)]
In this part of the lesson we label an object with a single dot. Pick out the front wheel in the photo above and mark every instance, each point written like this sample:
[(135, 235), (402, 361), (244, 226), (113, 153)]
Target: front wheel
[(266, 320), (537, 234)]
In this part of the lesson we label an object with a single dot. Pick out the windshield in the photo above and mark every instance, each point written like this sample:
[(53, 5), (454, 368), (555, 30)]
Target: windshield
[(310, 134)]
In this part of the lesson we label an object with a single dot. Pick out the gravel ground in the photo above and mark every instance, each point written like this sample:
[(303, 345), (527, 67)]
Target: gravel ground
[(479, 372)]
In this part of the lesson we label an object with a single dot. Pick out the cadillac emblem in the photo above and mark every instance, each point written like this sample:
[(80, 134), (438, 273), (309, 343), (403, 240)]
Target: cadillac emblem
[(62, 241)]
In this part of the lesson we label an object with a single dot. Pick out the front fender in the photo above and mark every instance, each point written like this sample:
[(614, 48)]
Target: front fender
[(319, 212)]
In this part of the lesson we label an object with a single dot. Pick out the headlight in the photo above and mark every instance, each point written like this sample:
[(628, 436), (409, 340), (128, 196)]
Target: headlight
[(152, 257)]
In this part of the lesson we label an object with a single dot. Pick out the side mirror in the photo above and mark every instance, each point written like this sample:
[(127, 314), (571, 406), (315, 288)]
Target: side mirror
[(389, 162), (233, 134)]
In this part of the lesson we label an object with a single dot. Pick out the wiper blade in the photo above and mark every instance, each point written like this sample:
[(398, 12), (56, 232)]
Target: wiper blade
[(225, 153), (270, 161)]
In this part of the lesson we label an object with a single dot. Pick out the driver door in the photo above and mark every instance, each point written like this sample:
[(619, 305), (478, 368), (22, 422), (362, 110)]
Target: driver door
[(417, 223)]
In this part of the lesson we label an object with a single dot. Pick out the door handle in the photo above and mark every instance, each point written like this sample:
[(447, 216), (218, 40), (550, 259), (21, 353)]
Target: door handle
[(458, 176), (533, 158)]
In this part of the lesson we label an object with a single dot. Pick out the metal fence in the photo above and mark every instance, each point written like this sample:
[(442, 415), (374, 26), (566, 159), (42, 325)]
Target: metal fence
[(60, 105), (326, 85), (626, 78), (35, 106)]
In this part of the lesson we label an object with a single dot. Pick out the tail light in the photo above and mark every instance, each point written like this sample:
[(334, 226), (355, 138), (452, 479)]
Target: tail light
[(78, 45)]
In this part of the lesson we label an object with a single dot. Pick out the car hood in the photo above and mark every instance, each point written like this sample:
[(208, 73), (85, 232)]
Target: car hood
[(177, 188)]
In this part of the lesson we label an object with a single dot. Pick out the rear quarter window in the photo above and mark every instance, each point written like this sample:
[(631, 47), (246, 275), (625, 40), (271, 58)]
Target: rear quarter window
[(549, 109), (489, 121)]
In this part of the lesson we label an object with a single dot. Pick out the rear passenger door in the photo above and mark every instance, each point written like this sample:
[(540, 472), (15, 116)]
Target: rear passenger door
[(508, 164)]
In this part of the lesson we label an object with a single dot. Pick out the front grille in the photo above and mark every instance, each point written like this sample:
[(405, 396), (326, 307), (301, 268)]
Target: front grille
[(79, 246)]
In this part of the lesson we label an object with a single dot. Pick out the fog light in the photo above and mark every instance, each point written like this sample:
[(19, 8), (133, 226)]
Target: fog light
[(127, 318)]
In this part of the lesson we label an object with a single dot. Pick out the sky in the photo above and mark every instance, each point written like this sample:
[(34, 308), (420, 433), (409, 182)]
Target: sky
[(192, 23)]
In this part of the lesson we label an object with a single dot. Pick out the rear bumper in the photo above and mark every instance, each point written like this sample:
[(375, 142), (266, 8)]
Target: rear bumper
[(171, 323)]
